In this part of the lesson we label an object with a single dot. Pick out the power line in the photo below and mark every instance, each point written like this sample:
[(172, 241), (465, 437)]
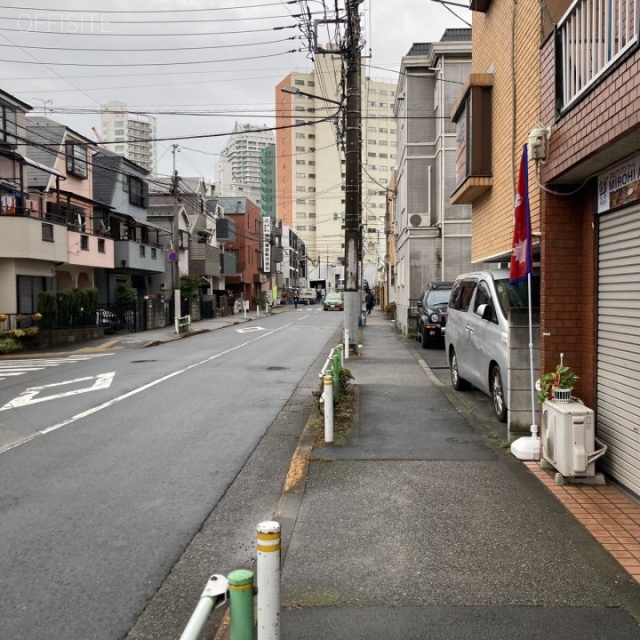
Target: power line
[(149, 64), (112, 50), (153, 11)]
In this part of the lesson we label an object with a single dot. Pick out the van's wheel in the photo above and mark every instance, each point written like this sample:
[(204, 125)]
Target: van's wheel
[(458, 383), (497, 394)]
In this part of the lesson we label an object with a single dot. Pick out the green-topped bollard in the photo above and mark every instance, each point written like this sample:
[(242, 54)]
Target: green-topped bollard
[(241, 610), (336, 376)]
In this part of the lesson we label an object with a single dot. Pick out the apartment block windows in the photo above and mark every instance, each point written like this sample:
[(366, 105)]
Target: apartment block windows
[(76, 159), (8, 125)]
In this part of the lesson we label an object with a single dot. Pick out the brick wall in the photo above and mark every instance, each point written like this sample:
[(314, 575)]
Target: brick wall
[(568, 299), (607, 115), (493, 214)]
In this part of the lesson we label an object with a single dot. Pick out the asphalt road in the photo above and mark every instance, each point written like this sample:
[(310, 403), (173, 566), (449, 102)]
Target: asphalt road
[(110, 465)]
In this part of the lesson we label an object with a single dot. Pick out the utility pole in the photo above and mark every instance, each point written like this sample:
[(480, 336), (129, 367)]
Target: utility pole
[(353, 170), (175, 239)]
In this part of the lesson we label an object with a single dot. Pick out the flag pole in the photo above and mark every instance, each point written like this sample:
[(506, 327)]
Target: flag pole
[(527, 448)]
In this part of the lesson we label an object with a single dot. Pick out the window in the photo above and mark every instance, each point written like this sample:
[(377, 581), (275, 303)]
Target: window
[(298, 81), (300, 121), (301, 162), (84, 243), (76, 159), (300, 135), (311, 83), (312, 227), (473, 141), (47, 232), (483, 296), (143, 251), (101, 245), (8, 124), (299, 148), (301, 175), (154, 253), (461, 294), (138, 191), (29, 289)]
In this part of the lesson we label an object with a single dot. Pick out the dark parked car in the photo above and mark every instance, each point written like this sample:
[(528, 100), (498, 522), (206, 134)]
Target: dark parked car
[(432, 313)]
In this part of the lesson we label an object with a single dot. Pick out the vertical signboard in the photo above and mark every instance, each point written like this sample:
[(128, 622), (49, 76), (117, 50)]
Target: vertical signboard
[(266, 244)]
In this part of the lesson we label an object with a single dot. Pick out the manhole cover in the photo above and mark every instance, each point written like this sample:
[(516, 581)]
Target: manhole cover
[(276, 368), (139, 361)]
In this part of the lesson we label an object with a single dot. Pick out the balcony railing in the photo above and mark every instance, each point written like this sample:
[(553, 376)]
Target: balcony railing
[(593, 35)]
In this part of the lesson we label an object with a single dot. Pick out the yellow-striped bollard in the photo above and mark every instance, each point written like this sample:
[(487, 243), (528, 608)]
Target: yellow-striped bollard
[(268, 572)]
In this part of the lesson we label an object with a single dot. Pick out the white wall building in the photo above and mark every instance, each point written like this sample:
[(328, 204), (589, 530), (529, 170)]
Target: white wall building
[(310, 162), (238, 170), (433, 236), (128, 135)]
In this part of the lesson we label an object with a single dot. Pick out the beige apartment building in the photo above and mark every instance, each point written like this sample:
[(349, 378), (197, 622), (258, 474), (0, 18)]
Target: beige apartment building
[(310, 164)]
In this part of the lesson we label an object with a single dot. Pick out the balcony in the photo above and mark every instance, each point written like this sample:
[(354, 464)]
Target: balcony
[(204, 260), (130, 254), (592, 37), (24, 236)]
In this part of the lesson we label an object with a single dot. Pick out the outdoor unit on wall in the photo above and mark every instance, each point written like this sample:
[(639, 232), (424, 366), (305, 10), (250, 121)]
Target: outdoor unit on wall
[(415, 220), (568, 438)]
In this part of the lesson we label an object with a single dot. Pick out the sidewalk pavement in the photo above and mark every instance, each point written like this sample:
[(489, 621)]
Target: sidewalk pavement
[(153, 337), (423, 526)]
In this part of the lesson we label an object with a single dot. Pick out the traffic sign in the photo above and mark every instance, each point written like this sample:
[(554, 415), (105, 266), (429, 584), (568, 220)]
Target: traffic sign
[(173, 256)]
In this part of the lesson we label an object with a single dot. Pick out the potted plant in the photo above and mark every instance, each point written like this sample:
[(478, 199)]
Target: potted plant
[(558, 384)]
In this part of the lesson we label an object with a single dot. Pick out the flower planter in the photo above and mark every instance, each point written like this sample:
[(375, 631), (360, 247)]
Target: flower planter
[(561, 395)]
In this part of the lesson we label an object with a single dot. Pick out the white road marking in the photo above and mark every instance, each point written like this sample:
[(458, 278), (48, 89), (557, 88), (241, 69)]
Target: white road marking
[(144, 387), (250, 329), (18, 367), (101, 381)]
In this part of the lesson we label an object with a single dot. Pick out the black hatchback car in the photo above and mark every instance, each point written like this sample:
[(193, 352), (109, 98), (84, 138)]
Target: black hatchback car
[(432, 313)]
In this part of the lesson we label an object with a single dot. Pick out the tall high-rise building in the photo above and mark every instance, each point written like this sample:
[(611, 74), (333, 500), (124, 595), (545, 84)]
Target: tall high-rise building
[(128, 135), (238, 170), (268, 181), (310, 162)]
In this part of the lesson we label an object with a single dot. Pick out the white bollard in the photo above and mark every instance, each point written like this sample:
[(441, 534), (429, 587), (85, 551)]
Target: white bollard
[(328, 408), (346, 344), (268, 580)]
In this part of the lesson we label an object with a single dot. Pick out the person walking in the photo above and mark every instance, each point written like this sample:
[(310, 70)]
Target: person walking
[(370, 301)]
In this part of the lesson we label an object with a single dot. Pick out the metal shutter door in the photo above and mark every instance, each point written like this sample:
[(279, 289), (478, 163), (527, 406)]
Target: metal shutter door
[(618, 350)]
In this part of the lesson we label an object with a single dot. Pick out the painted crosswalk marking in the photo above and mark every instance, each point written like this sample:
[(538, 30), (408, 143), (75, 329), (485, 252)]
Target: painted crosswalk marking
[(11, 368)]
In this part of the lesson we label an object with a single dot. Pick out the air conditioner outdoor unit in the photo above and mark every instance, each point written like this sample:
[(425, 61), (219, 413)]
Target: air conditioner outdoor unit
[(568, 438)]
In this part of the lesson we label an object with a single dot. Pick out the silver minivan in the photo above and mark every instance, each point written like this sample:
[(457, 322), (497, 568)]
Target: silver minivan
[(477, 337)]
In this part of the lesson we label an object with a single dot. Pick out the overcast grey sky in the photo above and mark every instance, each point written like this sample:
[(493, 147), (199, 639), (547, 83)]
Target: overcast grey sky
[(198, 66)]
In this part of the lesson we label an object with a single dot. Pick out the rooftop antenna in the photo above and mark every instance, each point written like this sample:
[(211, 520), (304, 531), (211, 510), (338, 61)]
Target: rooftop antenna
[(44, 105)]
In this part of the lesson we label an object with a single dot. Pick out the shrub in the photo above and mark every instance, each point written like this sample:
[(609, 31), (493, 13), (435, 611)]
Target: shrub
[(7, 345)]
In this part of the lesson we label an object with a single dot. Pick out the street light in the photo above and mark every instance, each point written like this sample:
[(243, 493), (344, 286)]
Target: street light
[(294, 91)]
